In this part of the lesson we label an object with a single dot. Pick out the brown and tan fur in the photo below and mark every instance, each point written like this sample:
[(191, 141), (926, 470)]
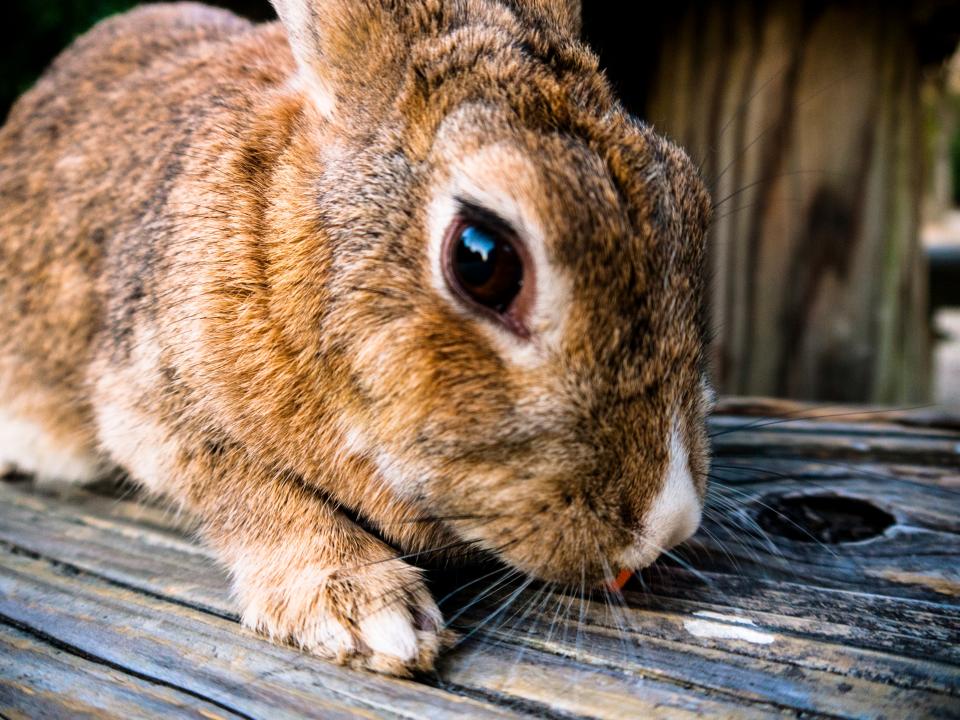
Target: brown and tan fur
[(215, 275)]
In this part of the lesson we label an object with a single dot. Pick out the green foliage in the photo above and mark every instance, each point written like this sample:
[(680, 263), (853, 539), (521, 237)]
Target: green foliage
[(35, 31)]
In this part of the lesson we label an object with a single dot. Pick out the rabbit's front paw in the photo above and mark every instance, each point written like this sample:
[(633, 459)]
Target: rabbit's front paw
[(377, 616)]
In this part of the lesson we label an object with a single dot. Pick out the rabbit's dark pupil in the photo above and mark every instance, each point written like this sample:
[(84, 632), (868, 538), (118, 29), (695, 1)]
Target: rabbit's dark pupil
[(487, 267)]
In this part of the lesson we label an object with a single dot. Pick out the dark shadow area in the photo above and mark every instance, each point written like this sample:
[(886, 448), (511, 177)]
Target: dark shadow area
[(35, 32), (829, 519)]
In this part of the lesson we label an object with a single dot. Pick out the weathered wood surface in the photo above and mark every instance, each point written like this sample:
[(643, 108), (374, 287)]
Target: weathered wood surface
[(805, 117), (107, 608)]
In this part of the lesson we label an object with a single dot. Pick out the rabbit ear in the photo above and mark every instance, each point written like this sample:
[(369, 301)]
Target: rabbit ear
[(344, 48), (565, 14)]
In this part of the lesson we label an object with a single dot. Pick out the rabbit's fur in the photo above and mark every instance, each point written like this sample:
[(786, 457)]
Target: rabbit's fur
[(219, 272)]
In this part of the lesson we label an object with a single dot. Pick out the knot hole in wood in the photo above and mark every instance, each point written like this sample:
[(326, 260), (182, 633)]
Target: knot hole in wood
[(826, 518)]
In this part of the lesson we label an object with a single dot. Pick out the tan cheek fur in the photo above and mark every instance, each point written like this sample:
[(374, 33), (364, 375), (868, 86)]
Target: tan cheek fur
[(200, 285)]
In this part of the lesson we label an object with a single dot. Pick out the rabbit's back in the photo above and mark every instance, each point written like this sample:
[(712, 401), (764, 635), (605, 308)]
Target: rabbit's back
[(86, 158)]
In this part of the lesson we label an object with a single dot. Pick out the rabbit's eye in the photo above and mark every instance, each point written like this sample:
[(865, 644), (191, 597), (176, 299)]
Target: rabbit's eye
[(484, 266)]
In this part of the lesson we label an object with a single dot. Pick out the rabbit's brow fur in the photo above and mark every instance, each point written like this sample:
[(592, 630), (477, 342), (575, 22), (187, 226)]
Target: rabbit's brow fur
[(216, 275)]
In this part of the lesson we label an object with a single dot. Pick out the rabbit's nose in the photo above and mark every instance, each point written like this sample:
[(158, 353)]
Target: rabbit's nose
[(675, 513)]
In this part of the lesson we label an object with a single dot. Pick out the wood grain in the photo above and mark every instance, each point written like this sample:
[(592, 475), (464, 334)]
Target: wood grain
[(805, 119), (109, 609)]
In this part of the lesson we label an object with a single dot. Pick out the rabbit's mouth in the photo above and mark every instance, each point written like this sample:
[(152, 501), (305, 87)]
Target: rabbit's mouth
[(557, 529)]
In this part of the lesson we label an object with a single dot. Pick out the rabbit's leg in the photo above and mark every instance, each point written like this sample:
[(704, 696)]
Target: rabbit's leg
[(50, 443), (303, 572), (306, 574)]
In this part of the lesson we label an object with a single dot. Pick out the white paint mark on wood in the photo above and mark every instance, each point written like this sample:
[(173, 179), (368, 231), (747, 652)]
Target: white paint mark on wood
[(725, 627), (724, 618)]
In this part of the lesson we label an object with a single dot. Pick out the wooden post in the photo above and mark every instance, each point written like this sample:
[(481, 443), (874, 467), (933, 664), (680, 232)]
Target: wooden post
[(806, 119)]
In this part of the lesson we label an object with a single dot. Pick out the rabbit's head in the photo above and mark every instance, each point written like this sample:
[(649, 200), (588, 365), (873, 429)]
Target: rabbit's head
[(507, 301)]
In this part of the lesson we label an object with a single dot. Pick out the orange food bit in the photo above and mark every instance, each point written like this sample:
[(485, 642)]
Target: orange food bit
[(621, 580)]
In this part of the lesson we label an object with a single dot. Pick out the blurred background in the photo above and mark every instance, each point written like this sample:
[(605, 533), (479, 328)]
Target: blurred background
[(829, 134)]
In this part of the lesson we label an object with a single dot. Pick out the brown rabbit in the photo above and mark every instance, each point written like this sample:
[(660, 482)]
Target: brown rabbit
[(384, 278)]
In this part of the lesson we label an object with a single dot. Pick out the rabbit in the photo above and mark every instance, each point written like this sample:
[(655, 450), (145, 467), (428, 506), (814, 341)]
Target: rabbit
[(379, 279)]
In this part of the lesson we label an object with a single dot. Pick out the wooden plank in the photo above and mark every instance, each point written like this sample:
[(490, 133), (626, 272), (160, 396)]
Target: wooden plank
[(817, 664), (752, 469), (745, 656), (909, 628), (565, 686), (917, 556), (746, 409), (151, 559), (909, 498), (792, 441), (857, 629), (149, 563), (41, 681), (207, 656), (852, 619)]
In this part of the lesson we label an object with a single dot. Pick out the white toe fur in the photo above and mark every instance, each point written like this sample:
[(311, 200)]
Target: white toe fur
[(331, 636), (390, 632)]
